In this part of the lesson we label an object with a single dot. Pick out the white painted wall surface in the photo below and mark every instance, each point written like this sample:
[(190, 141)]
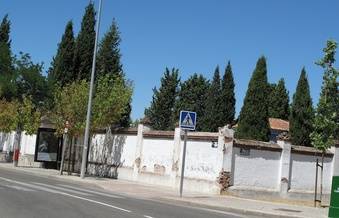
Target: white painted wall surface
[(303, 173), (6, 141), (128, 151), (28, 144), (258, 170), (157, 151), (202, 161), (121, 150)]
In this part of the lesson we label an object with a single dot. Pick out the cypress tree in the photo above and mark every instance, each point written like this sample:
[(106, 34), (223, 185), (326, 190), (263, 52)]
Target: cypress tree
[(84, 46), (228, 99), (213, 105), (62, 70), (302, 114), (108, 60), (5, 28), (8, 87), (253, 119), (161, 109), (279, 101), (191, 97)]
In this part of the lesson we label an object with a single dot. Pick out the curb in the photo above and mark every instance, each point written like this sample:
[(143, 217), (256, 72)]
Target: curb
[(232, 209)]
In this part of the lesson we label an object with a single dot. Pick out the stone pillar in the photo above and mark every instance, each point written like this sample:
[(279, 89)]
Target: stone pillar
[(176, 157), (138, 151), (285, 162), (225, 144)]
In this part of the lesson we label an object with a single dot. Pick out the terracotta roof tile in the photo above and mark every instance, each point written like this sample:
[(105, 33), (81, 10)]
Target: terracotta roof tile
[(279, 124)]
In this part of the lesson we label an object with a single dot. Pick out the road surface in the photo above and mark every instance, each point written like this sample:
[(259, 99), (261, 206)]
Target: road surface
[(24, 195)]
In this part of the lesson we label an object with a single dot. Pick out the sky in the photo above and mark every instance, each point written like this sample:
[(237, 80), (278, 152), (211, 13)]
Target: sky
[(194, 36)]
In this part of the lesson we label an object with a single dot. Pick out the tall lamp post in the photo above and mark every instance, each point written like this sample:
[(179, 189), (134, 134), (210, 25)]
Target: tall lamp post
[(89, 106)]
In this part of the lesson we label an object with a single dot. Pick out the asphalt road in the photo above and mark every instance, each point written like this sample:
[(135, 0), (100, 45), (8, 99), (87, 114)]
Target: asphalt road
[(26, 196)]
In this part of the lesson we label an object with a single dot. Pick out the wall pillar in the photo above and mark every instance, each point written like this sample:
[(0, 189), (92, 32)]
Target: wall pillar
[(285, 163), (138, 151), (176, 157), (225, 144)]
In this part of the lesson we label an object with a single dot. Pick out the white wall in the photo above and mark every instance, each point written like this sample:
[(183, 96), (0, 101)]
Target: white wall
[(157, 152), (303, 172), (259, 170), (28, 144), (202, 161), (6, 141)]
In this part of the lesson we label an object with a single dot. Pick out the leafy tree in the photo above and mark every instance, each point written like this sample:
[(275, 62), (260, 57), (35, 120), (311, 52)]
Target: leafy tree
[(161, 109), (191, 97), (108, 104), (212, 119), (326, 122), (111, 101), (62, 67), (279, 101), (302, 114), (108, 59), (19, 116), (5, 28), (228, 96), (253, 119), (84, 45), (30, 81)]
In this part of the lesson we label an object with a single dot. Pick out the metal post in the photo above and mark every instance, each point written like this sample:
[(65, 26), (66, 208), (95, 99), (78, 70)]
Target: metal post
[(64, 144), (316, 184), (88, 117), (183, 164)]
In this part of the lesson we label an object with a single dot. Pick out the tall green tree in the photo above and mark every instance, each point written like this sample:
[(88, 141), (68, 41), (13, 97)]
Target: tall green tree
[(162, 105), (5, 28), (326, 122), (253, 119), (302, 113), (30, 81), (228, 96), (192, 97), (279, 101), (84, 45), (213, 105), (108, 59), (7, 74), (109, 63), (62, 67)]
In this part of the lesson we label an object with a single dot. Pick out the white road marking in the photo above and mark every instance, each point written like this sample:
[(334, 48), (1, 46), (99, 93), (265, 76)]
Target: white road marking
[(62, 189), (91, 191), (20, 188), (217, 211), (148, 216), (65, 194)]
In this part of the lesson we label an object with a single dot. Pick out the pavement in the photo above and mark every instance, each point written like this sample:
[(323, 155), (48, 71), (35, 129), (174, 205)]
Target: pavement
[(146, 200)]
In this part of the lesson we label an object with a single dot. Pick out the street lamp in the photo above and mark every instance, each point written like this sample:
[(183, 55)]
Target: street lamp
[(89, 106)]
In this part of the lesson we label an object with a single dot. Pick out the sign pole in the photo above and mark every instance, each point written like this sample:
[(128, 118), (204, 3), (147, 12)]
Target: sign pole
[(183, 164)]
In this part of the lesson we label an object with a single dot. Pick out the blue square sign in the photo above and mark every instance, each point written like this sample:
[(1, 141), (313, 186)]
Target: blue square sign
[(188, 120)]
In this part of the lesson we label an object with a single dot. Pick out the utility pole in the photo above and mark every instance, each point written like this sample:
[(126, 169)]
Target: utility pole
[(89, 106)]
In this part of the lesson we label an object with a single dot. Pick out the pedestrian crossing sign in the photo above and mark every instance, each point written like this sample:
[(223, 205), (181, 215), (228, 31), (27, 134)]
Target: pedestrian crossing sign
[(187, 120)]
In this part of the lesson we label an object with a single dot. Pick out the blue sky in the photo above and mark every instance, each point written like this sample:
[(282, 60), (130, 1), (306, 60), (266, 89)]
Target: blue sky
[(194, 36)]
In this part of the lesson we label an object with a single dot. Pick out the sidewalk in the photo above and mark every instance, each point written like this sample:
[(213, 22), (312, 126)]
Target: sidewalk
[(213, 202)]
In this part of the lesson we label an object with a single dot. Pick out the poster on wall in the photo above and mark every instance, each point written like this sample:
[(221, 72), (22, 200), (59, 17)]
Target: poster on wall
[(47, 146)]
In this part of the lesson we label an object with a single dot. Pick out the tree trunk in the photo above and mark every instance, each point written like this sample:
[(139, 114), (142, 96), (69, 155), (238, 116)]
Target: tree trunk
[(16, 147)]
